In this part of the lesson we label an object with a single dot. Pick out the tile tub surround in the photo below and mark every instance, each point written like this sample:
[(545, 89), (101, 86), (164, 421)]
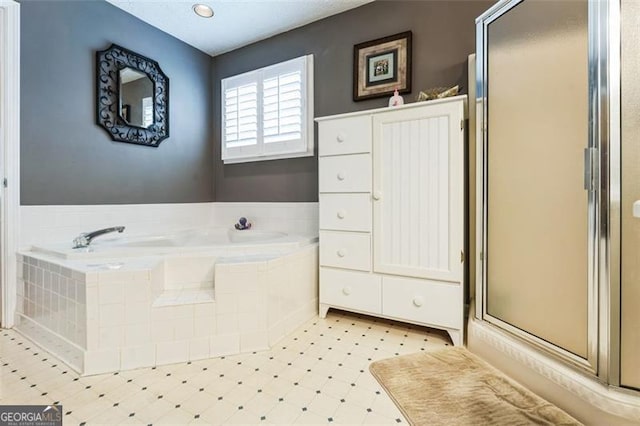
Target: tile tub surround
[(293, 218), (53, 224), (110, 315)]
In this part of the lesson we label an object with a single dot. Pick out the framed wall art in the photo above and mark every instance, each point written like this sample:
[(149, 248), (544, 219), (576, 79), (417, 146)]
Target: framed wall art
[(381, 66)]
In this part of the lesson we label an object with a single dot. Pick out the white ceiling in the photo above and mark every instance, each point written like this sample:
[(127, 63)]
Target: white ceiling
[(236, 23)]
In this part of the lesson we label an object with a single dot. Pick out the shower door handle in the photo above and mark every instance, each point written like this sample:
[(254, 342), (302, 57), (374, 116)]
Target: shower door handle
[(590, 167)]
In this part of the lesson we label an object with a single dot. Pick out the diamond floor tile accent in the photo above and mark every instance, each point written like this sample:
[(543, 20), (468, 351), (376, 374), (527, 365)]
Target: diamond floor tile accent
[(317, 375)]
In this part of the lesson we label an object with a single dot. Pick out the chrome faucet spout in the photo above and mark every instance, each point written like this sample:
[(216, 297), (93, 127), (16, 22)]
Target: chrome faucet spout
[(84, 239)]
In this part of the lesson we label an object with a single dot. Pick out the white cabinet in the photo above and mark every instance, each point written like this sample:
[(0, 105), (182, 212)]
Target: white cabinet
[(349, 250), (419, 188), (345, 212), (345, 173), (359, 291), (347, 135), (391, 187)]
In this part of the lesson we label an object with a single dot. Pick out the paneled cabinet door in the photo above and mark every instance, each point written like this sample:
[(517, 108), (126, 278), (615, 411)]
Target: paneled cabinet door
[(418, 191)]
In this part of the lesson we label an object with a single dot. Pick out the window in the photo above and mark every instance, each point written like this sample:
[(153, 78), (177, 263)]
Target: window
[(147, 111), (267, 114)]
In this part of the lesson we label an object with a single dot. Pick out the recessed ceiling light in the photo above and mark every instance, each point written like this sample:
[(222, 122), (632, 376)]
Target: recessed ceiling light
[(203, 10)]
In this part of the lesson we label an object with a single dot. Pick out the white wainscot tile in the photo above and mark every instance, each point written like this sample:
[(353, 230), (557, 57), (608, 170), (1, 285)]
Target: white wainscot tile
[(204, 310), (111, 277), (111, 315), (141, 276), (227, 323), (249, 302), (250, 322), (199, 349), (245, 277), (276, 332), (184, 311), (139, 291), (189, 269), (226, 303), (137, 334), (226, 344), (204, 326), (91, 278), (93, 335), (224, 282), (162, 331), (111, 337), (250, 342), (81, 293), (137, 312), (97, 362), (183, 328), (93, 310), (111, 293), (137, 356), (172, 352)]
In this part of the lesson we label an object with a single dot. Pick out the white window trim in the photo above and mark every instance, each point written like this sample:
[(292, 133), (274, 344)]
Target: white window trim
[(308, 101)]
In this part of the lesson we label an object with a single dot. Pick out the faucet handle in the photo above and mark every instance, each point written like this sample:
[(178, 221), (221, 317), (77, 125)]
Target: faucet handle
[(80, 241)]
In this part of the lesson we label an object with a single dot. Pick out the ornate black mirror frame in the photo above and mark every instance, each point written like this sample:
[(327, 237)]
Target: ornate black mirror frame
[(109, 62)]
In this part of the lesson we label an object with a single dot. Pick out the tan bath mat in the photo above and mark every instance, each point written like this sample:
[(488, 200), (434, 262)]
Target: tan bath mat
[(454, 387)]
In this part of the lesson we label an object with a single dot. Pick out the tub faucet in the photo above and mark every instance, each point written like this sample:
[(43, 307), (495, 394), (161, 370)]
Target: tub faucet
[(84, 239)]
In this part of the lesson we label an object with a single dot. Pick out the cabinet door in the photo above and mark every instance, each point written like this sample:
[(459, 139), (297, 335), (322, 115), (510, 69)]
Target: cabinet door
[(418, 191)]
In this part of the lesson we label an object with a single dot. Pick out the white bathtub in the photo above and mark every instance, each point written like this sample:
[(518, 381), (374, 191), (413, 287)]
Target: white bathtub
[(166, 298), (218, 241)]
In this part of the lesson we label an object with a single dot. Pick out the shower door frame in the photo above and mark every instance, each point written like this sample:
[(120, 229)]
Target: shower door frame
[(603, 200), (9, 158)]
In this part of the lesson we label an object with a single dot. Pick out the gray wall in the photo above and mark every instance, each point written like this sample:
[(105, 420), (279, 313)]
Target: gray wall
[(443, 36), (66, 158)]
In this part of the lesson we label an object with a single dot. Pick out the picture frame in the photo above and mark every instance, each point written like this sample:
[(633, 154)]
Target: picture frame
[(381, 66)]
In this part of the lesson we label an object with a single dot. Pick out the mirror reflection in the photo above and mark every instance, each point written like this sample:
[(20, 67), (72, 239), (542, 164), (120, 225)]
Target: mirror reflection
[(136, 97)]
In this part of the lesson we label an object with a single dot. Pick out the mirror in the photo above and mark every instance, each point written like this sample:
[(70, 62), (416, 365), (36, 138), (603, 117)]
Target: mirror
[(132, 97), (136, 97)]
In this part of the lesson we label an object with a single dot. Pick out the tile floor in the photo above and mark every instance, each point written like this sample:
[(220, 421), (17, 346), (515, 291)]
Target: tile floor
[(317, 375)]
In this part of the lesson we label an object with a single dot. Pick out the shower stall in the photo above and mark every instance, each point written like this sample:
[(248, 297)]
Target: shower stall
[(557, 175)]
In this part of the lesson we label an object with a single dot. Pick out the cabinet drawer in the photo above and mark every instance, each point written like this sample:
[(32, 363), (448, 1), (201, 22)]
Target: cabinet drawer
[(347, 289), (347, 173), (345, 212), (345, 250), (424, 301), (349, 135)]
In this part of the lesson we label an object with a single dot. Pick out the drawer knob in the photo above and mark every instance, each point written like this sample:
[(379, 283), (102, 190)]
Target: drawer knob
[(418, 301), (342, 253), (341, 176), (346, 291), (340, 137), (377, 195), (341, 214)]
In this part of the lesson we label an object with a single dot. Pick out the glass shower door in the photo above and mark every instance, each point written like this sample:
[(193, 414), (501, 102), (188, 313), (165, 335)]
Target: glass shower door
[(630, 235), (537, 212)]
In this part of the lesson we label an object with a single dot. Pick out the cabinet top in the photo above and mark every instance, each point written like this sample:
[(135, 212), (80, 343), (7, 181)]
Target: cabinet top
[(401, 107)]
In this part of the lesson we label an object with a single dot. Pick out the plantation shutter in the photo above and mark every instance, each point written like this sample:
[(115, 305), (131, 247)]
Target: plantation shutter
[(147, 111), (283, 108), (240, 119), (266, 112)]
